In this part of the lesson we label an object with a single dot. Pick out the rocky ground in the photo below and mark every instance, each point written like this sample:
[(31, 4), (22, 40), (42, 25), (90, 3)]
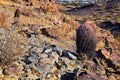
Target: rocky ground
[(38, 42)]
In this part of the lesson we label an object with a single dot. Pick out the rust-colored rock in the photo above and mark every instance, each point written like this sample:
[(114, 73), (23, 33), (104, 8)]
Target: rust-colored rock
[(110, 57), (105, 53)]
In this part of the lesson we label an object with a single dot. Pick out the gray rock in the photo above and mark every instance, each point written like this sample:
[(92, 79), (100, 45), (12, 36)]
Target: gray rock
[(34, 58), (53, 48), (45, 65), (2, 37), (44, 56), (47, 50), (34, 41), (68, 54)]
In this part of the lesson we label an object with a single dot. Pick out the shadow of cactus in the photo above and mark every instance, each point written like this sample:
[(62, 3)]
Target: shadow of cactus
[(85, 40)]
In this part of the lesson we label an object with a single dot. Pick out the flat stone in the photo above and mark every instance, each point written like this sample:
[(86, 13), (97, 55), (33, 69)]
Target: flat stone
[(113, 57), (33, 41), (45, 65)]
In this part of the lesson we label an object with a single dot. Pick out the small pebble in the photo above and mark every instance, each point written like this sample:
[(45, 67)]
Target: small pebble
[(48, 75), (59, 76)]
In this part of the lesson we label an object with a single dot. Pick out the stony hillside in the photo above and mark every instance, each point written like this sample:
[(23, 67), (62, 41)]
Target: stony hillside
[(38, 42)]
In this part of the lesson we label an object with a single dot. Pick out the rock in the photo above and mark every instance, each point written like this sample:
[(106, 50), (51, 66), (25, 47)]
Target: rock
[(71, 55), (100, 45), (44, 56), (34, 58), (57, 49), (48, 75), (53, 48), (11, 69), (39, 79), (68, 76), (45, 65), (54, 56), (1, 72), (76, 70), (34, 29), (35, 49), (113, 58), (2, 37), (42, 63), (47, 50), (105, 53), (59, 76), (90, 65), (67, 64)]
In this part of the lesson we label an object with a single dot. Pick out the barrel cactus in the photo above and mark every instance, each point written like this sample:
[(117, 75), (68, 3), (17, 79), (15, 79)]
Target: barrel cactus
[(86, 40)]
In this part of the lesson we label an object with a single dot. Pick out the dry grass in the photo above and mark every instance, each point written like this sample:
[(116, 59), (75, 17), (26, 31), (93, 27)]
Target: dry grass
[(3, 19), (1, 1), (4, 2), (12, 45)]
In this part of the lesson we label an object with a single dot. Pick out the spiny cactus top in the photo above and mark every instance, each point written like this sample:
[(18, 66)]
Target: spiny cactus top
[(86, 40)]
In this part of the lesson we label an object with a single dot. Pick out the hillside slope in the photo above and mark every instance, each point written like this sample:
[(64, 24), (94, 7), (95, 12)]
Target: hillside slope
[(38, 42)]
